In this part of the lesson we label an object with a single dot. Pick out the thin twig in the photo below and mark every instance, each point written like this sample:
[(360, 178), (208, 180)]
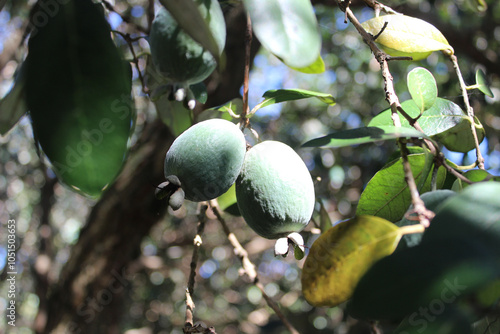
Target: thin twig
[(135, 59), (189, 323), (248, 48), (424, 215), (249, 267), (381, 31), (452, 170), (470, 110), (382, 58)]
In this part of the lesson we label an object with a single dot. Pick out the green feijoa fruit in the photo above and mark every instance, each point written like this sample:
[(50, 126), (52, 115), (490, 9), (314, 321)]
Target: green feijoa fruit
[(274, 190), (206, 158), (178, 57)]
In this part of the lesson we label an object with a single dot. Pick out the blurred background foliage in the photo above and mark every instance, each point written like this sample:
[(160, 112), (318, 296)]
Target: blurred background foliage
[(49, 216)]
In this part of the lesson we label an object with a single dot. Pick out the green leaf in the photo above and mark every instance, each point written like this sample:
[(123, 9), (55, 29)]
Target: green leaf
[(228, 198), (13, 105), (283, 95), (235, 107), (317, 67), (341, 255), (423, 277), (407, 36), (78, 91), (288, 29), (445, 122), (426, 170), (474, 213), (422, 87), (189, 18), (450, 320), (474, 175), (482, 84), (387, 195), (363, 136)]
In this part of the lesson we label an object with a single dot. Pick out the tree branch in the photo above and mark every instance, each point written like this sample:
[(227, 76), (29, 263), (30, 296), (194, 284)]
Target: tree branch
[(189, 323), (423, 214)]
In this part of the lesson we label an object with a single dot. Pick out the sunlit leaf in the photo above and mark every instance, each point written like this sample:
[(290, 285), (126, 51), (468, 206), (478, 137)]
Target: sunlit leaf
[(288, 29), (283, 95), (482, 83), (422, 87), (13, 105), (445, 122), (235, 107), (189, 18), (387, 195), (228, 199), (364, 135), (341, 255), (317, 67), (78, 91), (407, 36)]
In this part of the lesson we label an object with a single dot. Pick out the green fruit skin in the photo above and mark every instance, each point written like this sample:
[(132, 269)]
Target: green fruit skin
[(274, 191), (207, 158), (176, 55)]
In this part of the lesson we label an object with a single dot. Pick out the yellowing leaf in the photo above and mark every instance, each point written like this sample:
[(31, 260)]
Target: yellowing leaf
[(407, 36), (340, 256)]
